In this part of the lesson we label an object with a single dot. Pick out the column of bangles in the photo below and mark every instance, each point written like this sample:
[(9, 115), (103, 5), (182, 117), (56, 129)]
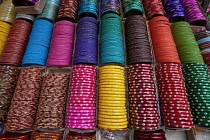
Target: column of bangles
[(16, 43), (25, 99), (16, 136), (8, 82), (51, 109), (68, 10), (82, 98), (112, 114), (4, 29), (81, 136), (46, 135), (153, 8)]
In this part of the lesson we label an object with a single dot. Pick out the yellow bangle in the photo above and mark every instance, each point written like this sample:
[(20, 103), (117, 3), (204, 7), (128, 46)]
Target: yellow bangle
[(112, 80), (112, 67), (110, 104), (113, 113), (112, 117), (112, 92), (112, 127), (113, 124), (111, 72), (112, 120), (112, 86), (111, 77), (112, 99), (113, 110), (112, 95), (112, 107), (112, 89), (111, 83)]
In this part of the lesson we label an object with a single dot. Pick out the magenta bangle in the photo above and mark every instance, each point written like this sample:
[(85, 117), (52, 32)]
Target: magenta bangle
[(81, 98), (90, 93), (84, 67), (81, 111), (81, 117), (83, 87), (79, 108), (83, 81), (82, 84), (78, 121), (62, 44), (84, 78), (82, 105), (81, 114), (80, 127), (82, 102), (83, 95), (82, 90), (83, 124), (83, 74)]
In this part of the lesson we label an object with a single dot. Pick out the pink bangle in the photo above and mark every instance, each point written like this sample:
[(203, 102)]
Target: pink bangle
[(82, 98), (82, 102), (83, 124), (83, 92), (84, 67), (83, 74), (82, 81), (85, 70), (81, 111), (83, 87), (82, 95), (80, 108), (81, 114), (80, 127), (82, 84), (82, 105), (79, 121), (81, 117)]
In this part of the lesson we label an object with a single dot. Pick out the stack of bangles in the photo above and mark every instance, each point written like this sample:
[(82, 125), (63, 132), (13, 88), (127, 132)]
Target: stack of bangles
[(203, 40), (46, 135), (153, 8), (82, 98), (15, 136), (4, 29), (161, 37), (112, 114), (149, 135), (81, 136)]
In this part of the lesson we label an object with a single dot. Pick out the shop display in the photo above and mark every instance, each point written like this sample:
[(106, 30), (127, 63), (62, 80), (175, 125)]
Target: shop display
[(105, 69)]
